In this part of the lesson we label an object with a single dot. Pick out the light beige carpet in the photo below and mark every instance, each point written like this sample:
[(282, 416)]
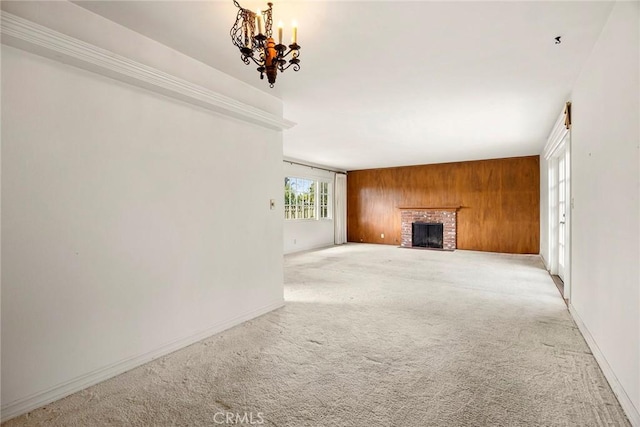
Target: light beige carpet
[(374, 336)]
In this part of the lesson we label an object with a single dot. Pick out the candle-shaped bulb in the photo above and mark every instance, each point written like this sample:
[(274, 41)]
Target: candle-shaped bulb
[(246, 35), (259, 21), (294, 34), (280, 32)]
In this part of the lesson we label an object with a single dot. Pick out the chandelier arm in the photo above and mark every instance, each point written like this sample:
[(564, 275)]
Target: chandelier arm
[(296, 66), (259, 62), (289, 52)]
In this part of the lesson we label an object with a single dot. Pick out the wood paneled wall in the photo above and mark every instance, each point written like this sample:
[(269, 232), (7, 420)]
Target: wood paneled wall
[(499, 199)]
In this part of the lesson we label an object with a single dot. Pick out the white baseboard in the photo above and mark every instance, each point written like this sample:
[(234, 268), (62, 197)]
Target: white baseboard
[(310, 248), (546, 264), (627, 405), (34, 401)]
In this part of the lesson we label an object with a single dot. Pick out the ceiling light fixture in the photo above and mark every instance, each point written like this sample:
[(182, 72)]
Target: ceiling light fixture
[(252, 34)]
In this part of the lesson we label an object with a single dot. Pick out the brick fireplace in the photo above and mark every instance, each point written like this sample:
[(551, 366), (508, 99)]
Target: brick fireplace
[(445, 216)]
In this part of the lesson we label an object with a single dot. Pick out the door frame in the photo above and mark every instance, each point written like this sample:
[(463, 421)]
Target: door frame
[(559, 144)]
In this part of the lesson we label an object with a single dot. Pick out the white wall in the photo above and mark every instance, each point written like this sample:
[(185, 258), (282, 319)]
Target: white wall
[(301, 235), (132, 225), (606, 218)]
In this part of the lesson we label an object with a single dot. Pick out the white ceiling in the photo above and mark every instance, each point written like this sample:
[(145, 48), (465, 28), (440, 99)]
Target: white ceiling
[(389, 83)]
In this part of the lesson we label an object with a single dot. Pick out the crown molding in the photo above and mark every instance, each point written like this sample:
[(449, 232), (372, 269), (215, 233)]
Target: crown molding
[(558, 132), (27, 35)]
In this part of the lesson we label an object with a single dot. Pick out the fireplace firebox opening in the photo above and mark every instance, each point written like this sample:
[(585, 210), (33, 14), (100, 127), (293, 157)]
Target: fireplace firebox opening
[(427, 234)]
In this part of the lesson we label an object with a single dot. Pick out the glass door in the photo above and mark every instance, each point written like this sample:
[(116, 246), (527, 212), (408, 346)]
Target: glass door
[(562, 213)]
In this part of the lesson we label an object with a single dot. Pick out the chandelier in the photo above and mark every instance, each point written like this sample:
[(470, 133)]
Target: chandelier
[(253, 35)]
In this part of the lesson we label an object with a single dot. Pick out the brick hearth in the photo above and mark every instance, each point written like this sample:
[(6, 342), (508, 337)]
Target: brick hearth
[(446, 216)]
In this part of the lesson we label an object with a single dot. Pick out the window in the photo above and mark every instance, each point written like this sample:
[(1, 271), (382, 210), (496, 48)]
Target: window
[(306, 199), (299, 198), (323, 202)]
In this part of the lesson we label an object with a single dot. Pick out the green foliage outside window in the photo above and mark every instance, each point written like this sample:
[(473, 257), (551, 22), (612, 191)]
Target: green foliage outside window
[(300, 201)]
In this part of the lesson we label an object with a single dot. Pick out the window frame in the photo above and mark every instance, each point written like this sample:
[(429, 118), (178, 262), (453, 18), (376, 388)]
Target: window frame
[(328, 205), (318, 185)]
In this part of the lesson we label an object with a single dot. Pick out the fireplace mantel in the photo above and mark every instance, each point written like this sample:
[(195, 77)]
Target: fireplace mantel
[(429, 208)]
